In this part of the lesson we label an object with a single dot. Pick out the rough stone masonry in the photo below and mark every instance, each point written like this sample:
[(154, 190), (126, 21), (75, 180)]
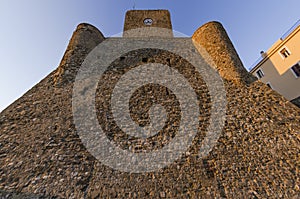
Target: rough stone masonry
[(257, 154)]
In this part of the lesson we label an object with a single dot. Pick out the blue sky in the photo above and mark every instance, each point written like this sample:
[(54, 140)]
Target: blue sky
[(34, 33)]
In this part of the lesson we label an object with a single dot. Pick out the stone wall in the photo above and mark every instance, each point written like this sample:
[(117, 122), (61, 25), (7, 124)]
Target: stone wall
[(256, 156)]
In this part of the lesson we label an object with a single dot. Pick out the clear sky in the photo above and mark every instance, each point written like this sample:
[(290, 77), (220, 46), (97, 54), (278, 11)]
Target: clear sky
[(34, 34)]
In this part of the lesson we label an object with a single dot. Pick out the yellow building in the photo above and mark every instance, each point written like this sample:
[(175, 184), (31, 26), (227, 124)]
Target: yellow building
[(279, 67)]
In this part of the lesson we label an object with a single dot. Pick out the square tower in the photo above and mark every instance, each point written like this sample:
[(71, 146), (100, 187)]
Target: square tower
[(148, 23)]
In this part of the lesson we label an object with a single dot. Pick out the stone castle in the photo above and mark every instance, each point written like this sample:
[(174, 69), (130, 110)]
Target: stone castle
[(256, 155)]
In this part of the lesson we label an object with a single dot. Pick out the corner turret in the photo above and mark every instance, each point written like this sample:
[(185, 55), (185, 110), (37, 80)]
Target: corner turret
[(85, 38), (214, 39)]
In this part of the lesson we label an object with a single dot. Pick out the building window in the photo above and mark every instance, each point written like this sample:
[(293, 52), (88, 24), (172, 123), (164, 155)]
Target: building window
[(269, 84), (259, 73), (284, 52), (296, 70)]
